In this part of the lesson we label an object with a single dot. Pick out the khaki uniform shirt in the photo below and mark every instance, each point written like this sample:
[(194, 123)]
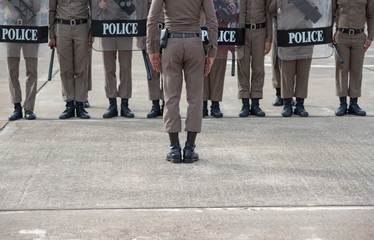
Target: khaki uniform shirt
[(182, 17), (256, 11), (67, 10), (354, 14)]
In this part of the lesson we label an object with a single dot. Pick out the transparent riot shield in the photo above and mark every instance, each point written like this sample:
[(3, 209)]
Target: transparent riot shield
[(115, 24), (230, 35), (23, 27), (304, 29)]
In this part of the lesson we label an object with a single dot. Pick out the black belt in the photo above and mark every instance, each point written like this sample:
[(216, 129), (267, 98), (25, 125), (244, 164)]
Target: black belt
[(255, 26), (350, 31), (72, 22), (183, 35)]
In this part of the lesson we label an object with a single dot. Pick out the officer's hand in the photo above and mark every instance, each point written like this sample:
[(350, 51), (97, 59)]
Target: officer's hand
[(155, 60), (267, 47), (52, 43), (367, 44), (103, 5), (208, 65)]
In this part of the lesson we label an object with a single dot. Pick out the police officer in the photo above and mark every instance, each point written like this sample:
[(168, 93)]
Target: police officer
[(112, 47), (183, 55), (69, 33), (155, 93), (352, 43), (214, 82), (294, 73), (257, 19), (30, 52)]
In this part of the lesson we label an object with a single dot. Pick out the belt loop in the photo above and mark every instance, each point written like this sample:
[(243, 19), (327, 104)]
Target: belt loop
[(351, 31), (73, 22)]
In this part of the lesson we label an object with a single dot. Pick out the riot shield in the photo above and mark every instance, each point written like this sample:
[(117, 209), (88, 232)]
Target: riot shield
[(115, 24), (230, 35), (304, 29), (23, 27)]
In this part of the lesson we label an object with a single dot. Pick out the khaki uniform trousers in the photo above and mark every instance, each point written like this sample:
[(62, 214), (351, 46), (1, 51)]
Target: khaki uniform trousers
[(214, 82), (30, 53), (154, 88), (251, 86), (348, 76), (124, 58), (73, 56), (294, 78), (276, 79), (183, 56)]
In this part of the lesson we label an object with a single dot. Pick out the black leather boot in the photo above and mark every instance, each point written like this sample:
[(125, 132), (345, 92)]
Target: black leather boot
[(17, 113), (81, 112), (255, 108), (354, 109), (189, 154), (29, 115), (69, 111), (215, 111), (112, 110), (125, 110), (299, 109), (205, 108), (156, 110), (287, 109), (278, 100), (174, 155), (245, 108), (342, 110)]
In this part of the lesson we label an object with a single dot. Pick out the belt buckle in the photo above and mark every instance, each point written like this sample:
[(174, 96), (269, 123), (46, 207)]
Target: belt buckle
[(73, 22), (253, 26), (19, 22), (351, 31)]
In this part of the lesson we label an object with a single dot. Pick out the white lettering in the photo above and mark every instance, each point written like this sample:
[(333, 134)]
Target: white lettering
[(305, 37), (120, 28), (20, 34), (204, 35)]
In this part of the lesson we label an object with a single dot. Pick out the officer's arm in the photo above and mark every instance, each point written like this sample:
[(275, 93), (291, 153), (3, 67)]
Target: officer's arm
[(212, 25), (52, 22), (370, 18), (370, 23), (243, 13), (153, 45)]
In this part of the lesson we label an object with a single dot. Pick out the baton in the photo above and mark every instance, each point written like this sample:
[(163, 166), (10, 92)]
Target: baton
[(51, 64), (233, 63), (341, 60), (233, 68), (149, 77)]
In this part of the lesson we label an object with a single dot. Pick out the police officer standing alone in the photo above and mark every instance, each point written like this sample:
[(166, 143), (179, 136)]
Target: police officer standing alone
[(257, 19), (352, 43), (69, 33), (183, 55)]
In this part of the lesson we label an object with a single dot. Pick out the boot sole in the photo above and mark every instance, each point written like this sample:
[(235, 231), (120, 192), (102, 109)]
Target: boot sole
[(190, 160), (173, 160)]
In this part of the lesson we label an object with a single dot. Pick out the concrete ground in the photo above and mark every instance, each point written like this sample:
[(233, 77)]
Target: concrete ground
[(258, 178)]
